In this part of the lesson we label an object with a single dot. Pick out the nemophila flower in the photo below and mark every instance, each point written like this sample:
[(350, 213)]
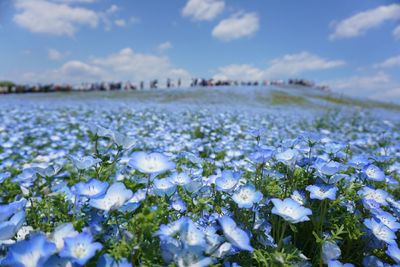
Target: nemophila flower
[(123, 141), (57, 261), (163, 187), (371, 205), (236, 236), (380, 231), (180, 178), (223, 250), (288, 157), (80, 248), (358, 161), (336, 263), (26, 178), (172, 229), (84, 163), (29, 253), (335, 178), (374, 173), (189, 258), (246, 196), (134, 202), (372, 261), (61, 232), (115, 197), (257, 132), (107, 261), (49, 171), (377, 195), (322, 191), (150, 163), (290, 210), (9, 228), (330, 251), (263, 154), (192, 235), (91, 189), (388, 219), (329, 168), (178, 205), (227, 181), (7, 210), (4, 176), (299, 197), (394, 252)]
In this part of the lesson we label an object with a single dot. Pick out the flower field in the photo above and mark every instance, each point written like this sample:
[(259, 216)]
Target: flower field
[(114, 185)]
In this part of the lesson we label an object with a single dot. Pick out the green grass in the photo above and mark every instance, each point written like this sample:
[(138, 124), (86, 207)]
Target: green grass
[(282, 98), (339, 100)]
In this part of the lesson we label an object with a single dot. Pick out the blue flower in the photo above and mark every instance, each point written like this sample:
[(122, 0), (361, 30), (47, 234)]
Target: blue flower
[(193, 236), (178, 205), (84, 163), (246, 195), (288, 157), (80, 248), (378, 195), (92, 189), (336, 263), (380, 231), (299, 197), (32, 252), (388, 219), (115, 197), (290, 210), (150, 163), (125, 142), (227, 180), (330, 251), (327, 168), (107, 261), (322, 191), (234, 234), (163, 187), (133, 203), (359, 161), (394, 252), (10, 227), (374, 173), (61, 232), (180, 178), (4, 176), (6, 211)]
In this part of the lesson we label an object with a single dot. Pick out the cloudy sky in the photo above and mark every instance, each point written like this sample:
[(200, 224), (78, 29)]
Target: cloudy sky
[(351, 45)]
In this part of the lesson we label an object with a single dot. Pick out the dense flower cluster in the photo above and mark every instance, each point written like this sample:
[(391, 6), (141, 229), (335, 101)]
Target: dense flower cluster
[(123, 187)]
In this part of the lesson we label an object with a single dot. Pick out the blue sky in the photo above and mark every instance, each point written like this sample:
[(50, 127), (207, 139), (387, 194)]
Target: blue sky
[(351, 45)]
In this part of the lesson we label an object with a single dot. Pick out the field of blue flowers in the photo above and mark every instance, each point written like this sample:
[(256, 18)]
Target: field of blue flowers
[(90, 186)]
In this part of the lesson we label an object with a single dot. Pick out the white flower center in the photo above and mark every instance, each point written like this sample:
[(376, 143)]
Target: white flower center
[(79, 250)]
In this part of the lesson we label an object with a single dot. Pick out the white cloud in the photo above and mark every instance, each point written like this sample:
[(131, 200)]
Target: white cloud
[(389, 63), (112, 9), (123, 65), (54, 54), (282, 67), (237, 26), (359, 23), (120, 22), (379, 86), (164, 46), (294, 64), (396, 33), (203, 9), (239, 71), (40, 16), (75, 1)]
